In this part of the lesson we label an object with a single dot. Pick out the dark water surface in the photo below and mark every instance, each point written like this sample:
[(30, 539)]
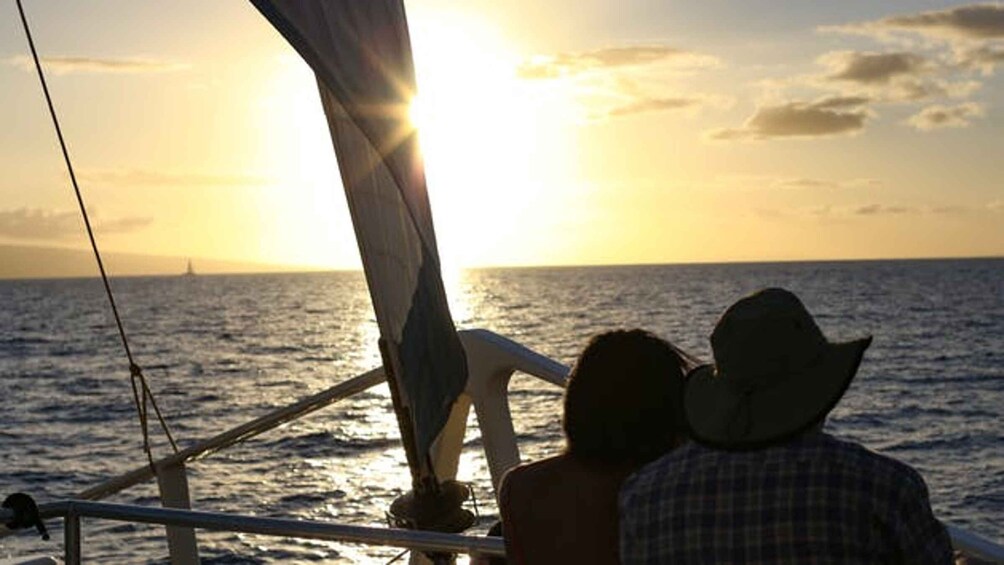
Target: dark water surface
[(220, 350)]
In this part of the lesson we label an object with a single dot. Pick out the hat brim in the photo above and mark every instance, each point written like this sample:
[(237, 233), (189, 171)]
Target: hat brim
[(719, 415)]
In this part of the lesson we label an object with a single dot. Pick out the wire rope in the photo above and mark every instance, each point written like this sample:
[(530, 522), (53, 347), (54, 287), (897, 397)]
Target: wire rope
[(140, 389)]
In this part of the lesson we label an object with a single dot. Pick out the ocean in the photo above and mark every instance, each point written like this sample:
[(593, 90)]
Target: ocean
[(221, 350)]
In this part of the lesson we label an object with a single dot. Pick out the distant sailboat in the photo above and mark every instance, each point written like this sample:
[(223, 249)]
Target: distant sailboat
[(189, 272)]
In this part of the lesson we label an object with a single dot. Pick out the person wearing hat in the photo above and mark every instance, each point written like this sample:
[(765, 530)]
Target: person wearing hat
[(761, 482)]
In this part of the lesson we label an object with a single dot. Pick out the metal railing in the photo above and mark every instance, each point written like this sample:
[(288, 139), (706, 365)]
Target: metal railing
[(240, 433), (973, 545), (71, 511)]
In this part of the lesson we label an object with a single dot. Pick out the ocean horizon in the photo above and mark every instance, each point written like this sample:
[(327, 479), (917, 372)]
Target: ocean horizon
[(83, 260)]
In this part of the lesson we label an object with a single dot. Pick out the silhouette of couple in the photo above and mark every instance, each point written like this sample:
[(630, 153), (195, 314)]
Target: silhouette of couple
[(670, 462)]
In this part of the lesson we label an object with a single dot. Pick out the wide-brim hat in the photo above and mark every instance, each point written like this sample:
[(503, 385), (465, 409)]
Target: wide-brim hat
[(775, 374)]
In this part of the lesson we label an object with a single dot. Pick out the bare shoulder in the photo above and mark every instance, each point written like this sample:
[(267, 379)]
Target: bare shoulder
[(527, 473)]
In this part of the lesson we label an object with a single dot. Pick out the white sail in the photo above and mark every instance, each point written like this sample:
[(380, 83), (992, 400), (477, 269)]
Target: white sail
[(361, 54)]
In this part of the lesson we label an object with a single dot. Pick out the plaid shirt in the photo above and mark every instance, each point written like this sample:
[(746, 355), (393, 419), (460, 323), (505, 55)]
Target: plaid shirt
[(814, 499)]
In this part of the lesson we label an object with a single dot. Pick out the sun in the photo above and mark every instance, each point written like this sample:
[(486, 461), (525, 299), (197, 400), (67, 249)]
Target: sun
[(482, 132), (478, 126)]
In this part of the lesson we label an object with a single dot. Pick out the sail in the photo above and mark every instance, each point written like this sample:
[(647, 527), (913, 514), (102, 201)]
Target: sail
[(360, 52)]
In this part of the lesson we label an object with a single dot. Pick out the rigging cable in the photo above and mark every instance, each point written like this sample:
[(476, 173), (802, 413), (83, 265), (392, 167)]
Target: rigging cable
[(141, 392)]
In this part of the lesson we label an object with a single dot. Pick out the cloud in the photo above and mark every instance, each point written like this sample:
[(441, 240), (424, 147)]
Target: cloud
[(969, 22), (24, 223), (882, 210), (963, 39), (617, 82), (775, 182), (792, 183), (861, 184), (136, 178), (809, 183), (653, 105), (918, 90), (123, 225), (984, 59), (35, 223), (974, 21), (569, 64), (841, 102), (805, 183), (92, 65), (838, 115), (874, 210), (864, 183), (939, 116), (873, 68), (890, 77)]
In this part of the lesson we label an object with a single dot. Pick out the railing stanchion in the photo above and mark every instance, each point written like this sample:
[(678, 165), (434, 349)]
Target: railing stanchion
[(181, 543), (71, 537)]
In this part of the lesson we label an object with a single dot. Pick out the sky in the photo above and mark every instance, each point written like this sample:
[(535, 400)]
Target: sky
[(554, 133)]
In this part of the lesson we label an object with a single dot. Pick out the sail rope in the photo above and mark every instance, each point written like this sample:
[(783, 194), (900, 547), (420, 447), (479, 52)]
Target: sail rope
[(142, 395)]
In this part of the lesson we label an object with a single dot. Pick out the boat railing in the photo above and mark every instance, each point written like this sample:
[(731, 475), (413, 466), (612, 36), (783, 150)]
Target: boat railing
[(72, 511), (492, 360), (238, 434)]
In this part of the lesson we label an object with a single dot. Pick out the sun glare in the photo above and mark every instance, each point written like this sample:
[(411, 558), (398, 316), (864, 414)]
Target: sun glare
[(479, 129), (306, 192), (485, 137), (418, 113)]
